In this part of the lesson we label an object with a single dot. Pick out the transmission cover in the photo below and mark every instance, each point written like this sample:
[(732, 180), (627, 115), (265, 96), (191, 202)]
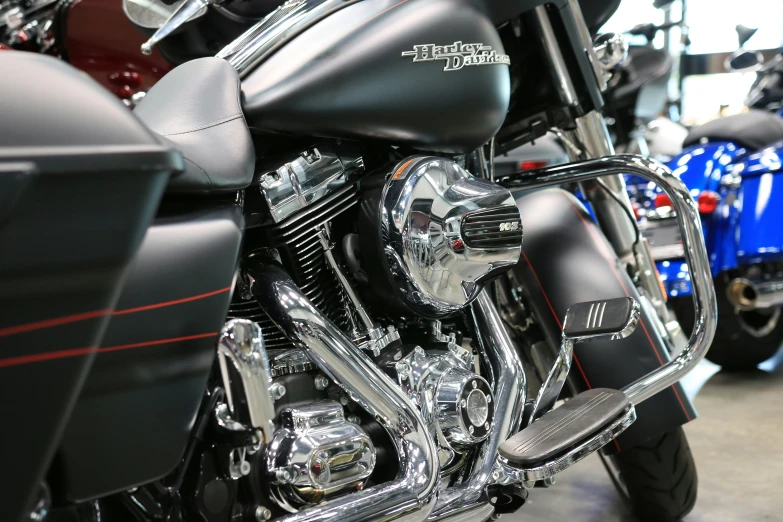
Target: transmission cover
[(443, 234)]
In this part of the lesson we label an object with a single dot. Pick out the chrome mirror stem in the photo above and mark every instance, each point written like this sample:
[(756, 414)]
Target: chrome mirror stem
[(180, 17)]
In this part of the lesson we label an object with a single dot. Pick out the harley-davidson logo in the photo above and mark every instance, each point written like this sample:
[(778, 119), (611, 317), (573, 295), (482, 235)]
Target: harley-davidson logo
[(458, 55)]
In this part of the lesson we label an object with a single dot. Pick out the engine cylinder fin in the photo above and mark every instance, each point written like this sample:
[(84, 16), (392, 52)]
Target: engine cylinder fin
[(296, 240)]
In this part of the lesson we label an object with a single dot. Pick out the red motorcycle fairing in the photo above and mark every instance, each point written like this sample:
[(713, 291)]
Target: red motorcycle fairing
[(101, 41)]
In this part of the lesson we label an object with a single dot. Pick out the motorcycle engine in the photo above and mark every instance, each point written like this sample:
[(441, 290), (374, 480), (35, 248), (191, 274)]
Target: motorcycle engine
[(430, 236)]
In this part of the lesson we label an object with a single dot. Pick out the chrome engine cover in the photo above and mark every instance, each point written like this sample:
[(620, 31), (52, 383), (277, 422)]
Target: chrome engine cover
[(446, 233), (316, 453), (457, 404)]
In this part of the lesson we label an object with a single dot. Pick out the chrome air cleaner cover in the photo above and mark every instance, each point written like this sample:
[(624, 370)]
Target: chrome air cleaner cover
[(445, 233)]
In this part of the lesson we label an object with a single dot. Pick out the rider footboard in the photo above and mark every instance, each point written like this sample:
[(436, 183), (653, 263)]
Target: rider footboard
[(567, 260)]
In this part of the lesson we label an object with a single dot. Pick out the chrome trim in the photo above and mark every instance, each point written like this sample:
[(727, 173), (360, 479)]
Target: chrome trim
[(442, 234), (253, 46), (509, 474), (478, 512), (509, 389), (412, 495), (242, 346), (750, 294), (611, 49), (317, 452), (290, 362), (439, 385), (309, 177), (368, 336), (327, 246), (704, 300)]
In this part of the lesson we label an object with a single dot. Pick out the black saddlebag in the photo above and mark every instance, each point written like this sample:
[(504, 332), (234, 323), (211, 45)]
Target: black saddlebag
[(80, 181)]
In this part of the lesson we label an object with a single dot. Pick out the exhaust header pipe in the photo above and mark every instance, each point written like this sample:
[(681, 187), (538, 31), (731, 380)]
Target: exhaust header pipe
[(411, 497), (749, 294)]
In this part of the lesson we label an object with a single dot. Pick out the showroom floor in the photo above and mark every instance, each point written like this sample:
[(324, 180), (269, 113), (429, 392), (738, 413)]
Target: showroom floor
[(737, 443)]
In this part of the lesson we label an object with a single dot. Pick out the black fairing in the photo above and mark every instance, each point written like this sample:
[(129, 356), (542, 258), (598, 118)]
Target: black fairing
[(567, 260), (346, 77), (77, 192), (134, 415)]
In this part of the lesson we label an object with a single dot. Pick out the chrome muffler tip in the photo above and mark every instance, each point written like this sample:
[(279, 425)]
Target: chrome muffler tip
[(742, 294), (750, 294)]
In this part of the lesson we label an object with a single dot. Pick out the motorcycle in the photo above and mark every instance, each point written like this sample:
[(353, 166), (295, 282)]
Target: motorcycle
[(290, 285), (730, 164)]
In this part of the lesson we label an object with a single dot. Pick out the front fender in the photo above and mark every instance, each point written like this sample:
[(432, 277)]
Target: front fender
[(566, 260)]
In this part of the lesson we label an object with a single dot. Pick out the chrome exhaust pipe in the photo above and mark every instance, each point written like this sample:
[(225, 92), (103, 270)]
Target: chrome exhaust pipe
[(411, 497), (750, 294), (510, 388)]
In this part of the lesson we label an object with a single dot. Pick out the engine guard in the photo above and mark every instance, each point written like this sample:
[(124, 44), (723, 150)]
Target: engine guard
[(565, 260)]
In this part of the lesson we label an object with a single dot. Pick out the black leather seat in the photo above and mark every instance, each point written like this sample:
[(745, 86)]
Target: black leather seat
[(753, 130), (196, 109)]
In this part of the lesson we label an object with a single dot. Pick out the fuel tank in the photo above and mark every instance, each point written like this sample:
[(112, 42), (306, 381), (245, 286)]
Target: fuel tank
[(431, 74)]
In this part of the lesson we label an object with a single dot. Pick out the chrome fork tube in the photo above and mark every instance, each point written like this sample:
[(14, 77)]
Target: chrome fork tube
[(593, 137), (509, 388), (411, 496)]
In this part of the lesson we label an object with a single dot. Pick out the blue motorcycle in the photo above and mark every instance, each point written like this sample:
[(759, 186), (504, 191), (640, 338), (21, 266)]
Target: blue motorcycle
[(734, 169)]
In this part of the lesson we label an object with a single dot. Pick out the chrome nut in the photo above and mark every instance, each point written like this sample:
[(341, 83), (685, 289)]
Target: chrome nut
[(277, 390)]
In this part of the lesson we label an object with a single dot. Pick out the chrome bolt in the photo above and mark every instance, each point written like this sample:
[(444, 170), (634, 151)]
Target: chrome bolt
[(344, 400), (489, 399), (263, 513), (475, 384), (402, 369), (419, 351), (244, 468), (471, 430), (463, 403), (354, 419), (497, 474), (277, 390), (549, 481), (285, 475), (486, 425), (321, 382)]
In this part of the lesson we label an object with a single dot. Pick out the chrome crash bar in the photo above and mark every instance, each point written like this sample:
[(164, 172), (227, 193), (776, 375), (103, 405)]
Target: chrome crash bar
[(693, 242)]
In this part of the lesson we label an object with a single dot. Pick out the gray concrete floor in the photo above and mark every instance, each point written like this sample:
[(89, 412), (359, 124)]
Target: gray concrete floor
[(737, 443)]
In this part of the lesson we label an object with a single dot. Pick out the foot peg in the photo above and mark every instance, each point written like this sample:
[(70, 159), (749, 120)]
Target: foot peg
[(553, 440), (567, 434)]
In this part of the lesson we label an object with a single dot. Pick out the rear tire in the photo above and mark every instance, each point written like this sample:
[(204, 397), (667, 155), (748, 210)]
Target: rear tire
[(657, 479), (733, 347)]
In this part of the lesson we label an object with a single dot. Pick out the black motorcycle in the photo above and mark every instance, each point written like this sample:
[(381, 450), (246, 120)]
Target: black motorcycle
[(290, 286)]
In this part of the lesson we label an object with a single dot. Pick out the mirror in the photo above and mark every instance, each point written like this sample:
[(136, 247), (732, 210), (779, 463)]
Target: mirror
[(744, 34), (151, 14), (744, 61)]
